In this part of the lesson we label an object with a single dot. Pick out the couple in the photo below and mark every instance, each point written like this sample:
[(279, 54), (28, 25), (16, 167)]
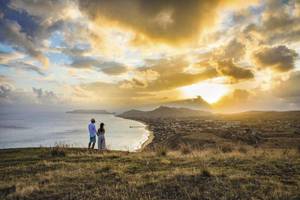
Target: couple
[(99, 133)]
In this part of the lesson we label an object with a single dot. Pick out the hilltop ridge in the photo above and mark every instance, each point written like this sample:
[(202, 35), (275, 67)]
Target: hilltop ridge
[(165, 112)]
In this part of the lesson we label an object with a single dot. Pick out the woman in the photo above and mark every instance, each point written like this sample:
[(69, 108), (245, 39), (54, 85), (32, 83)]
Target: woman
[(101, 138)]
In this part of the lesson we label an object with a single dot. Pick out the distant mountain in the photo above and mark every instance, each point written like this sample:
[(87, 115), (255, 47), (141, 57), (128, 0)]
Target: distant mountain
[(195, 104), (89, 112), (165, 112)]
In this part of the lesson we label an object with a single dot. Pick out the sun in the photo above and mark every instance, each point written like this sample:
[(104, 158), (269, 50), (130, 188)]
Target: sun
[(210, 92)]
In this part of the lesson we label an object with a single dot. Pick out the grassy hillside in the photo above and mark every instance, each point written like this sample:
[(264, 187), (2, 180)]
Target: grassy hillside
[(58, 173)]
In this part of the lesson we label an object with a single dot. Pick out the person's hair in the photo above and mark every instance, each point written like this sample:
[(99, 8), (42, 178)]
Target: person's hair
[(93, 120), (102, 127)]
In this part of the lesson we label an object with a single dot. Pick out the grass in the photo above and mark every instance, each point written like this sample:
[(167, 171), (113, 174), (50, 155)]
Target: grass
[(185, 149), (58, 151), (161, 150), (34, 173)]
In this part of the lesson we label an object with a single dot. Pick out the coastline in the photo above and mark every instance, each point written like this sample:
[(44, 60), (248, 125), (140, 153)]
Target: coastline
[(148, 141), (150, 136)]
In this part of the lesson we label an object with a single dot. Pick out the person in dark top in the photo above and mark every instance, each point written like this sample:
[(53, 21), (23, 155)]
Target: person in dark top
[(101, 138)]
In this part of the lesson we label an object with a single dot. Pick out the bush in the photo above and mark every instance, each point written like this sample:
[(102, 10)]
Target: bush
[(185, 149), (206, 173), (161, 151), (58, 151), (242, 150), (226, 148)]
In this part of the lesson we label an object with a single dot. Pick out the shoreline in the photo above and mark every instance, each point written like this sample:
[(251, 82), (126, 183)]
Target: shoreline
[(148, 141), (150, 136)]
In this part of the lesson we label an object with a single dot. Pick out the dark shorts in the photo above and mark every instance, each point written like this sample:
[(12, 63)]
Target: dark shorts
[(93, 139)]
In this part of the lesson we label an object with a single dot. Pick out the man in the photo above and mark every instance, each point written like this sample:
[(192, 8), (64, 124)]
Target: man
[(92, 131)]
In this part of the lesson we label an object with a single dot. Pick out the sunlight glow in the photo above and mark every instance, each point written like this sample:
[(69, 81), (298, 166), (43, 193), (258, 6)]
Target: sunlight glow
[(210, 92)]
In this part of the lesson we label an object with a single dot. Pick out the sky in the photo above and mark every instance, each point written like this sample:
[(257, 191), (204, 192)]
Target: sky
[(237, 55)]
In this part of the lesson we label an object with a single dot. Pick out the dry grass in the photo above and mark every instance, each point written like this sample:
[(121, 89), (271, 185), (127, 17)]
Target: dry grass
[(185, 149), (58, 151), (161, 150), (207, 174)]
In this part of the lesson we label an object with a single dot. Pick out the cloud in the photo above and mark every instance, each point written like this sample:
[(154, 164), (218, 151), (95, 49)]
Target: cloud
[(280, 58), (100, 93), (114, 68), (12, 33), (25, 66), (279, 23), (5, 89), (44, 96), (29, 67), (110, 68), (237, 96), (10, 95), (100, 35), (234, 49), (168, 74), (7, 57), (230, 69), (289, 88), (84, 62), (165, 21), (49, 11)]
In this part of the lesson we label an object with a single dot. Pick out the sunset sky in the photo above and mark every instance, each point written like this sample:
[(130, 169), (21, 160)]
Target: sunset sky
[(118, 54)]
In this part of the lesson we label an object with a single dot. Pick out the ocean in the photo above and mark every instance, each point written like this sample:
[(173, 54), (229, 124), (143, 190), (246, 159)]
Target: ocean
[(46, 129)]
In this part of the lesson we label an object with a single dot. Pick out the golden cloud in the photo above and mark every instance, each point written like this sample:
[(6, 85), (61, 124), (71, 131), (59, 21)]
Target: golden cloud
[(167, 21), (170, 74), (233, 101)]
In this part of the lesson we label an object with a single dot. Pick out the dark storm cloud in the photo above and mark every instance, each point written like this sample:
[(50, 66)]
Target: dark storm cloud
[(279, 58)]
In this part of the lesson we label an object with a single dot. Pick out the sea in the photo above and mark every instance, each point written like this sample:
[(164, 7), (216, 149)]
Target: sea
[(48, 129)]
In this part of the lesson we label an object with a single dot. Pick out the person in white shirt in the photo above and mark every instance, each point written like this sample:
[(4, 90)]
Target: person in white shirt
[(92, 132)]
